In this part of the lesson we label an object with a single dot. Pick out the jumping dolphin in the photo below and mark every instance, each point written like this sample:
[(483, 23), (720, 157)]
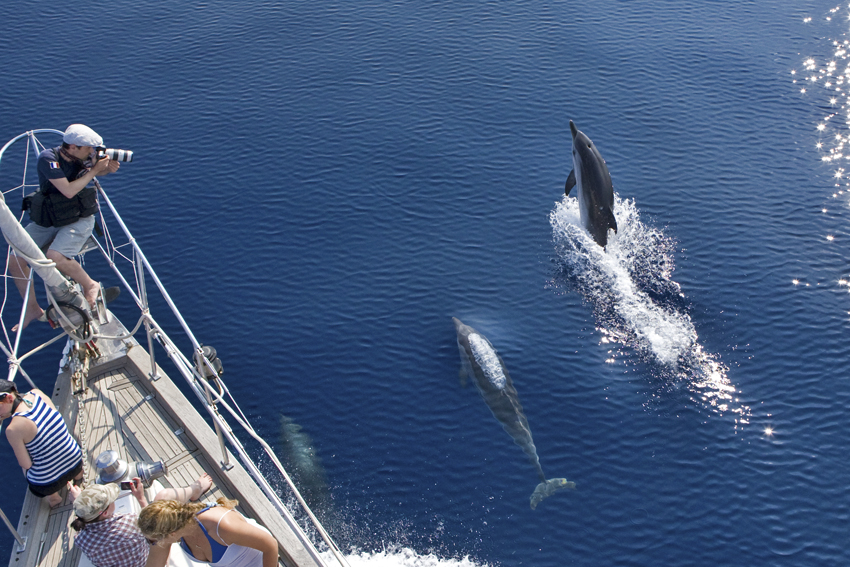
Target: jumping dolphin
[(481, 361), (595, 191)]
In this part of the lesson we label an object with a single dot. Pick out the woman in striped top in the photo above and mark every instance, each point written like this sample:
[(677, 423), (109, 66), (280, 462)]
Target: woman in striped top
[(45, 449)]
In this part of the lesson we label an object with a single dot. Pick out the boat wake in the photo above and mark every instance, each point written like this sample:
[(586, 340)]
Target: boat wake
[(405, 557), (395, 548), (637, 304)]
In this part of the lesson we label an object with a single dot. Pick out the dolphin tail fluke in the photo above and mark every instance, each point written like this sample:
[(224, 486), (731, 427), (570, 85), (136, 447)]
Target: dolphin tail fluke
[(571, 182), (548, 488)]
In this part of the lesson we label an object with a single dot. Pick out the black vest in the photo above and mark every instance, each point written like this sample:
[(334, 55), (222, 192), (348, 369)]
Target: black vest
[(61, 209)]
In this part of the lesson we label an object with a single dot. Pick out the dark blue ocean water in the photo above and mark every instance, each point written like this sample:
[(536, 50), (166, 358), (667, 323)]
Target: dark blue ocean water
[(323, 185)]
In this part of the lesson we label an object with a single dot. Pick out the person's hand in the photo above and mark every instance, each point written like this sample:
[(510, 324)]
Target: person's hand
[(137, 489), (105, 166)]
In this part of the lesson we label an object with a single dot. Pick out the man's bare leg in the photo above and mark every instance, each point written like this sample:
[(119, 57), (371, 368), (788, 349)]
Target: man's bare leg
[(186, 493), (75, 271), (19, 270)]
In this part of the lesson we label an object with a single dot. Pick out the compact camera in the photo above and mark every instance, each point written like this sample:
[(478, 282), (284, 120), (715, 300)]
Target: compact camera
[(112, 153)]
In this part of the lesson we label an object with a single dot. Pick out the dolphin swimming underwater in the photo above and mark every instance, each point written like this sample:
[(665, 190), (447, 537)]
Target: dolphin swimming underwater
[(481, 361), (301, 459), (595, 190)]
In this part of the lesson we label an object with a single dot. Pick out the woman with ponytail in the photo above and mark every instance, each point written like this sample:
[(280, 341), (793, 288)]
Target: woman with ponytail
[(208, 534)]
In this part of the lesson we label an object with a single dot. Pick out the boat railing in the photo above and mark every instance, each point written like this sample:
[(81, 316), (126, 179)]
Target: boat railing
[(132, 274)]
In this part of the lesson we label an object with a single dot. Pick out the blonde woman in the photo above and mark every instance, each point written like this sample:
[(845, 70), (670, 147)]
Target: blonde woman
[(208, 534)]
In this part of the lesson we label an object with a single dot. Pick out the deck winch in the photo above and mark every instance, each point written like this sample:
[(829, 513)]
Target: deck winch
[(210, 354), (111, 468)]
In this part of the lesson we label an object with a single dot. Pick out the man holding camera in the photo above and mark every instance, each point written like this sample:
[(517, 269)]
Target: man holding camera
[(64, 174)]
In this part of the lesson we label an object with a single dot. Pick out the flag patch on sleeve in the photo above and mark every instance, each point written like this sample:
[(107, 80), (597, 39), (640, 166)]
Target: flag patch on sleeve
[(54, 165)]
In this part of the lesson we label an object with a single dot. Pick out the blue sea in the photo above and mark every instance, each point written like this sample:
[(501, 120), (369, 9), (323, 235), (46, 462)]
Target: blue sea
[(323, 185)]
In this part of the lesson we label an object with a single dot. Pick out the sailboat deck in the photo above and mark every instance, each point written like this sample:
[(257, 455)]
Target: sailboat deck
[(143, 420)]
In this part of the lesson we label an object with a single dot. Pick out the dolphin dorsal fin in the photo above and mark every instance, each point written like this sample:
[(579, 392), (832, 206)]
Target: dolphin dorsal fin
[(571, 182)]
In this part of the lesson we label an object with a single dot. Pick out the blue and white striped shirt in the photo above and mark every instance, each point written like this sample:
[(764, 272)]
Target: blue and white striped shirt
[(53, 451)]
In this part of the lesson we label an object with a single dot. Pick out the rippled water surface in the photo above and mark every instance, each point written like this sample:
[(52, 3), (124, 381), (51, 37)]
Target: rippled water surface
[(324, 185)]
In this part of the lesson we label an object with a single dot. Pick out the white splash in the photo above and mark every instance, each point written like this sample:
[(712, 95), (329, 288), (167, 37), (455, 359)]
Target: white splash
[(635, 301), (402, 557), (606, 276), (488, 360)]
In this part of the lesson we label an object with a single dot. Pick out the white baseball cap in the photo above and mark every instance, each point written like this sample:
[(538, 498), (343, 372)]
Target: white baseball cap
[(94, 499), (82, 135)]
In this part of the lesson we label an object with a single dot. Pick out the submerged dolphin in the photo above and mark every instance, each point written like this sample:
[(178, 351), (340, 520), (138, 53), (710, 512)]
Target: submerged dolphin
[(595, 191), (300, 458), (485, 366)]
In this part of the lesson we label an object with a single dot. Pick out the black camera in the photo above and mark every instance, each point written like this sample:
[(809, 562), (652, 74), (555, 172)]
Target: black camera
[(112, 153)]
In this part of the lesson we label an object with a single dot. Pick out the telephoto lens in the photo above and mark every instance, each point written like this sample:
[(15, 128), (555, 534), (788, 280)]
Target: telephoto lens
[(118, 155)]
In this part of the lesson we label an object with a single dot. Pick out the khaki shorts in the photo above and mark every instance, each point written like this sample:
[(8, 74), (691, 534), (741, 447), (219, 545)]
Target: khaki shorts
[(68, 240)]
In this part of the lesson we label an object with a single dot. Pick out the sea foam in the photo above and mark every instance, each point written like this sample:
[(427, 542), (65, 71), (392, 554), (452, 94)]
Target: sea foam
[(636, 302)]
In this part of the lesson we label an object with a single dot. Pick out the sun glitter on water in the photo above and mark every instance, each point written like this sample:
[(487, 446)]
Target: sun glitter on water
[(828, 74)]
